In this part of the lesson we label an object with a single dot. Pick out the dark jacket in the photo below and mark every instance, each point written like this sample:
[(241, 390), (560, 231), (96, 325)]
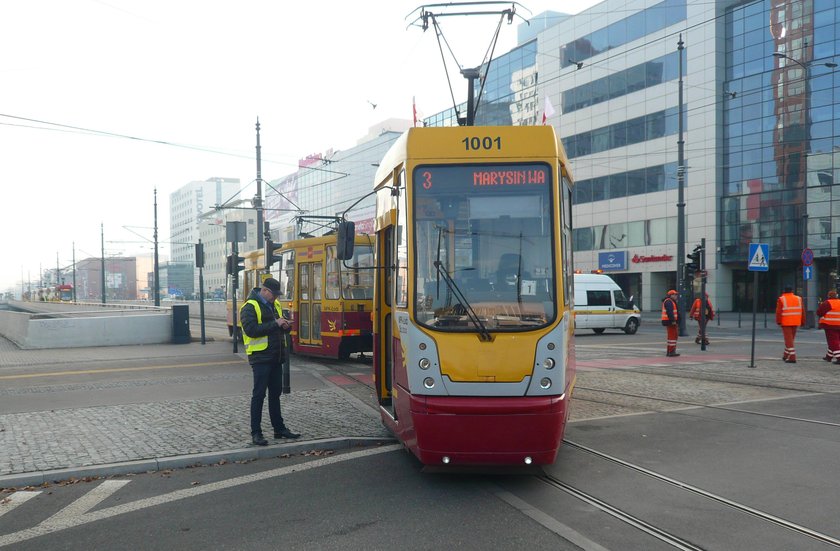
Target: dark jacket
[(248, 318)]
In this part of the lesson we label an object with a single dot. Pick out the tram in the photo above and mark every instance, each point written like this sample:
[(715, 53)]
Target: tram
[(65, 292), (328, 301), (473, 358)]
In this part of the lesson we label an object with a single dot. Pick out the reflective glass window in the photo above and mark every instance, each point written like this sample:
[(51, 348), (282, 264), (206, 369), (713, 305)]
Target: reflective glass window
[(618, 185), (636, 233), (657, 232), (599, 188)]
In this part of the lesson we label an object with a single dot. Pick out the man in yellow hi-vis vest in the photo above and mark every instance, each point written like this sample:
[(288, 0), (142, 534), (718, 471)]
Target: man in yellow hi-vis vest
[(262, 331)]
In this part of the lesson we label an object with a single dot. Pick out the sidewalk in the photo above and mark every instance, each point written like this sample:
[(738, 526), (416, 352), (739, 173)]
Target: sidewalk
[(45, 446)]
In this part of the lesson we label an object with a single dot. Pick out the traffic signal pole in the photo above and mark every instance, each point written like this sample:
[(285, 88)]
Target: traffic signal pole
[(235, 285)]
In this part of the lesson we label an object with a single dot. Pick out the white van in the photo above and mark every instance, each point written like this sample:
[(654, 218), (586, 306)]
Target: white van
[(600, 304)]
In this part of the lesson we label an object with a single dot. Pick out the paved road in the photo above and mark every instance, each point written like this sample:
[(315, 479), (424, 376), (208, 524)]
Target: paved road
[(76, 412)]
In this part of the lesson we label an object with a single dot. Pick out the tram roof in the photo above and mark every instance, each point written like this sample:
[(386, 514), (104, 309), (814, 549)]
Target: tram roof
[(446, 144)]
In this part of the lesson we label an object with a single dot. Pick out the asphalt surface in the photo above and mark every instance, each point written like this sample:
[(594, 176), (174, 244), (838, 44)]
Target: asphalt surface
[(327, 405)]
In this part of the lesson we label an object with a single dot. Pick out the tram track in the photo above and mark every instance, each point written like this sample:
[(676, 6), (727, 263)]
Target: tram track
[(660, 533), (699, 405), (745, 379)]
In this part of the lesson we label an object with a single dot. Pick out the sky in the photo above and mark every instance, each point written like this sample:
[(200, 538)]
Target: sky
[(104, 101)]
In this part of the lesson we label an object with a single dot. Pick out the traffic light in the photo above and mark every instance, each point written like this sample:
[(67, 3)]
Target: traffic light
[(270, 253), (693, 265), (235, 264), (199, 255)]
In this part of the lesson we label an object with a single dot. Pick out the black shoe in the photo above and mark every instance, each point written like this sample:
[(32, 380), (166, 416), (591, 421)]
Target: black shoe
[(259, 440), (286, 433), (672, 354), (697, 340), (828, 358), (789, 361)]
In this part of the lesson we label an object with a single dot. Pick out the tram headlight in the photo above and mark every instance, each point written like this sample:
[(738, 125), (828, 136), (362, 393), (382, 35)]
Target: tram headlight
[(545, 383), (548, 363), (428, 382), (424, 363)]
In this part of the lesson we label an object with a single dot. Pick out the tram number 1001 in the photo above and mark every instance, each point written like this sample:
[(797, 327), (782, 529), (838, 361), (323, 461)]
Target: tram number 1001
[(486, 143)]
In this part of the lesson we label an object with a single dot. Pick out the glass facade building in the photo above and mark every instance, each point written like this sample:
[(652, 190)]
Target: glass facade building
[(781, 139), (761, 134), (761, 119)]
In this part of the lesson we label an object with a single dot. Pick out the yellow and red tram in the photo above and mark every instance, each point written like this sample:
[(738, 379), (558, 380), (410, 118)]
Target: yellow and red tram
[(473, 328), (328, 301)]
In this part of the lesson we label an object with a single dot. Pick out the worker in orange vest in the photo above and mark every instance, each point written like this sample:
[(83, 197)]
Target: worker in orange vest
[(829, 315), (670, 318), (694, 314), (790, 314)]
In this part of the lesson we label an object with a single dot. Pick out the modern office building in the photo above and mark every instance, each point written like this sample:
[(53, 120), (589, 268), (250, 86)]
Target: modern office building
[(213, 235), (326, 185), (186, 206), (760, 134), (761, 131)]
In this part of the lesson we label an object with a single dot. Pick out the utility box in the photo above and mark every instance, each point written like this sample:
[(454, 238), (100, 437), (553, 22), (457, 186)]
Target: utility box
[(180, 324)]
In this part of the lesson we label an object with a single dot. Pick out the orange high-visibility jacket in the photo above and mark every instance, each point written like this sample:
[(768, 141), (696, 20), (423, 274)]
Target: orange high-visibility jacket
[(789, 310)]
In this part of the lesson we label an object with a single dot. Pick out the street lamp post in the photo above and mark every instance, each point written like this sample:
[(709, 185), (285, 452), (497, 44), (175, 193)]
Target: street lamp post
[(682, 288), (156, 268), (806, 121)]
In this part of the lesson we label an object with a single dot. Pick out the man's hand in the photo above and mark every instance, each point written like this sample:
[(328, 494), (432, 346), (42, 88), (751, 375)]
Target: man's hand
[(283, 323)]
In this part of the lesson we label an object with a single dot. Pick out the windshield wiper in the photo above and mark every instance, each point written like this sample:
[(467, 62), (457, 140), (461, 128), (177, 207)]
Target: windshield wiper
[(453, 287)]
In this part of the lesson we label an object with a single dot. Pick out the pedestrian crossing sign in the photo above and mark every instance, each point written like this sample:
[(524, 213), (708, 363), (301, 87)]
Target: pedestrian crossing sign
[(759, 260)]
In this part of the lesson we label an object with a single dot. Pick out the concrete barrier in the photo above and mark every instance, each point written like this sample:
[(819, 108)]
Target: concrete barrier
[(34, 331)]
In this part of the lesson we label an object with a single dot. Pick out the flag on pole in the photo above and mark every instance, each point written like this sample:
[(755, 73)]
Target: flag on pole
[(414, 109), (548, 110)]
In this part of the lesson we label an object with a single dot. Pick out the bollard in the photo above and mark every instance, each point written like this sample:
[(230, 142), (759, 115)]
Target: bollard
[(765, 317), (739, 316)]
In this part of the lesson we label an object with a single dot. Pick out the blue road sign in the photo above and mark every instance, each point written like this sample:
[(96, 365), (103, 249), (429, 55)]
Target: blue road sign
[(611, 261), (807, 272), (759, 259)]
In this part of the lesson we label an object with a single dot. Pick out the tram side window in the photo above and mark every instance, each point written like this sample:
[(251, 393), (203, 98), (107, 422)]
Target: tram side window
[(316, 282), (333, 290), (287, 274), (402, 251), (304, 281)]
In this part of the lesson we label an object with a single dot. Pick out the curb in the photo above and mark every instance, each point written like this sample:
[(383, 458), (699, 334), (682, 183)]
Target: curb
[(40, 478)]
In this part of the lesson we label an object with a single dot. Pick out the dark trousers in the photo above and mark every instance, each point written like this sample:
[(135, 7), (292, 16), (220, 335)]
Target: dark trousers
[(701, 328), (268, 376)]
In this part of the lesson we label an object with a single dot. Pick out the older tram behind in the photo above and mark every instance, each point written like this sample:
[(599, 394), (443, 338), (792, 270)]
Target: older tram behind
[(328, 301)]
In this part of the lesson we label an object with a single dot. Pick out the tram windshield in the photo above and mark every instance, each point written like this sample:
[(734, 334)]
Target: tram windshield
[(483, 243), (356, 274)]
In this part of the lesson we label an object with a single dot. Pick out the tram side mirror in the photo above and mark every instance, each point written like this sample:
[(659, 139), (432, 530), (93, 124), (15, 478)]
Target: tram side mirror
[(346, 240)]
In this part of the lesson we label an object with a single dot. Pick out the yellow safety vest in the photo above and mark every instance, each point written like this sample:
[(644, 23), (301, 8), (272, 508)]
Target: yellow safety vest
[(255, 344)]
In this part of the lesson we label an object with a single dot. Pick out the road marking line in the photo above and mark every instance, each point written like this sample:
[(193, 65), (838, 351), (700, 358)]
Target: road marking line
[(102, 514), (66, 517), (114, 370), (564, 531), (12, 501)]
